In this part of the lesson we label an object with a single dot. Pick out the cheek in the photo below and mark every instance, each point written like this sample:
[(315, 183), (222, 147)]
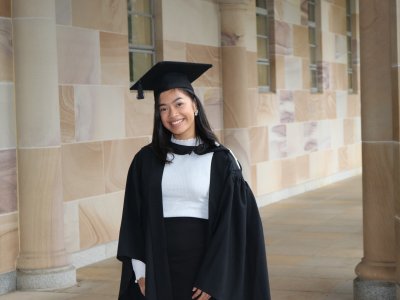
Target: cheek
[(163, 119)]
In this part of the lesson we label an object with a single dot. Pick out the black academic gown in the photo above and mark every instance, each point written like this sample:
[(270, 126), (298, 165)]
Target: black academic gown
[(234, 266)]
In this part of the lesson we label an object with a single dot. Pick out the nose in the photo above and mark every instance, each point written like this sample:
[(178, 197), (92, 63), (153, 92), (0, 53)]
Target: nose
[(172, 111)]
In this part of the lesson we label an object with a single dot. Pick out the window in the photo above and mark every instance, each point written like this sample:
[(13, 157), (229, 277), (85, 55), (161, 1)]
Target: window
[(264, 20), (141, 37), (314, 45), (351, 85)]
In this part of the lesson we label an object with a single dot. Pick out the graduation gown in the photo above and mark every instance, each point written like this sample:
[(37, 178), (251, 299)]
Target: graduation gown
[(234, 266)]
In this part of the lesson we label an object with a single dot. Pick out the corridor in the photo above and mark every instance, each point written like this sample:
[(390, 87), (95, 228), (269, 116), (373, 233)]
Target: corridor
[(314, 241)]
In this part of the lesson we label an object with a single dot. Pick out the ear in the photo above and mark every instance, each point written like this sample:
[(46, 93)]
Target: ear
[(194, 105)]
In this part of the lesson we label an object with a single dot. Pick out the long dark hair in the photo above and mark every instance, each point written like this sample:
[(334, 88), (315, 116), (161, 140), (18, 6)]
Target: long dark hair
[(162, 136)]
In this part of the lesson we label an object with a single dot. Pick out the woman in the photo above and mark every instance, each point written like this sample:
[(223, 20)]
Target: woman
[(190, 227)]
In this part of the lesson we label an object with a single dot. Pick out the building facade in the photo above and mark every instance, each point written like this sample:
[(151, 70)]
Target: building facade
[(283, 94)]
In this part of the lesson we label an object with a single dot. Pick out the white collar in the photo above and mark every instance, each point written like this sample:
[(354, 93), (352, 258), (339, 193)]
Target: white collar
[(188, 142)]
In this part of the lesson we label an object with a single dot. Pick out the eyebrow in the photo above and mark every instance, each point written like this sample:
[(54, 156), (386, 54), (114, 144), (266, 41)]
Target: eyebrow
[(176, 99)]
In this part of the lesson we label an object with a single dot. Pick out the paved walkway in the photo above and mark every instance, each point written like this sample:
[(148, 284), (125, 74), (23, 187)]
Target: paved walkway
[(314, 242)]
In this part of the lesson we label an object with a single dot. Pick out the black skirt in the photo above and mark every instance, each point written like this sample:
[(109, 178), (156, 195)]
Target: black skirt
[(186, 241)]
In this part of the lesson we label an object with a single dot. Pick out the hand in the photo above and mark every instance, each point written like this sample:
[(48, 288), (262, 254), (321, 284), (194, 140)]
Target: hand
[(142, 285), (198, 292)]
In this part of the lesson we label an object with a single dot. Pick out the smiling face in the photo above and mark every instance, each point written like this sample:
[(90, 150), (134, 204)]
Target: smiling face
[(177, 113)]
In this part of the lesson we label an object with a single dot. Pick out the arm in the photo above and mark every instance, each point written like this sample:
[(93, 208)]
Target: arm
[(131, 235), (235, 251), (131, 238), (139, 268)]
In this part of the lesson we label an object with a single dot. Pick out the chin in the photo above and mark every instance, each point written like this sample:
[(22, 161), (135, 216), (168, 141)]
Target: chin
[(178, 132)]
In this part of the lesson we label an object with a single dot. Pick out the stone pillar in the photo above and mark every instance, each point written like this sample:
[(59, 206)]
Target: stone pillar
[(396, 90), (380, 136), (237, 41), (43, 262)]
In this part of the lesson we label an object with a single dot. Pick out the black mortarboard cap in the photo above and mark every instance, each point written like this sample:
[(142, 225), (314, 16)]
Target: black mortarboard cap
[(167, 75)]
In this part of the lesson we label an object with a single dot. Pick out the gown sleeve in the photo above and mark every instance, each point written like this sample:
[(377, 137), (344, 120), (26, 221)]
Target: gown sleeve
[(131, 235), (234, 266)]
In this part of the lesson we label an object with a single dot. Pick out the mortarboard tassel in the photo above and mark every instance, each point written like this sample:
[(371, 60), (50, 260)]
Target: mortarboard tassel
[(140, 94)]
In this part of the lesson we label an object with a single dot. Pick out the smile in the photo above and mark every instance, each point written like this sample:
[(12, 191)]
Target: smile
[(177, 122)]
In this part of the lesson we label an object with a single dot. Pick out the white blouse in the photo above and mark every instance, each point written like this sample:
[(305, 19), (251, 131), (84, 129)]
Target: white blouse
[(186, 184)]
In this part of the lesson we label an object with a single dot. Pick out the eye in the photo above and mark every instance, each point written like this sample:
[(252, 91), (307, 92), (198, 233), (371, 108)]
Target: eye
[(163, 109), (179, 104)]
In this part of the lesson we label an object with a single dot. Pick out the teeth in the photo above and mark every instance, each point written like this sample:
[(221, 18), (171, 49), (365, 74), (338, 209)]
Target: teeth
[(176, 122)]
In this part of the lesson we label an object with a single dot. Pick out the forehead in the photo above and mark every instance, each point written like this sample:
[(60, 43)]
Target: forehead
[(172, 95)]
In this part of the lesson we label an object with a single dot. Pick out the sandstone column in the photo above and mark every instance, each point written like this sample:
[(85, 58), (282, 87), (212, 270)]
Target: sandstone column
[(380, 136), (43, 262), (396, 90), (238, 48)]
